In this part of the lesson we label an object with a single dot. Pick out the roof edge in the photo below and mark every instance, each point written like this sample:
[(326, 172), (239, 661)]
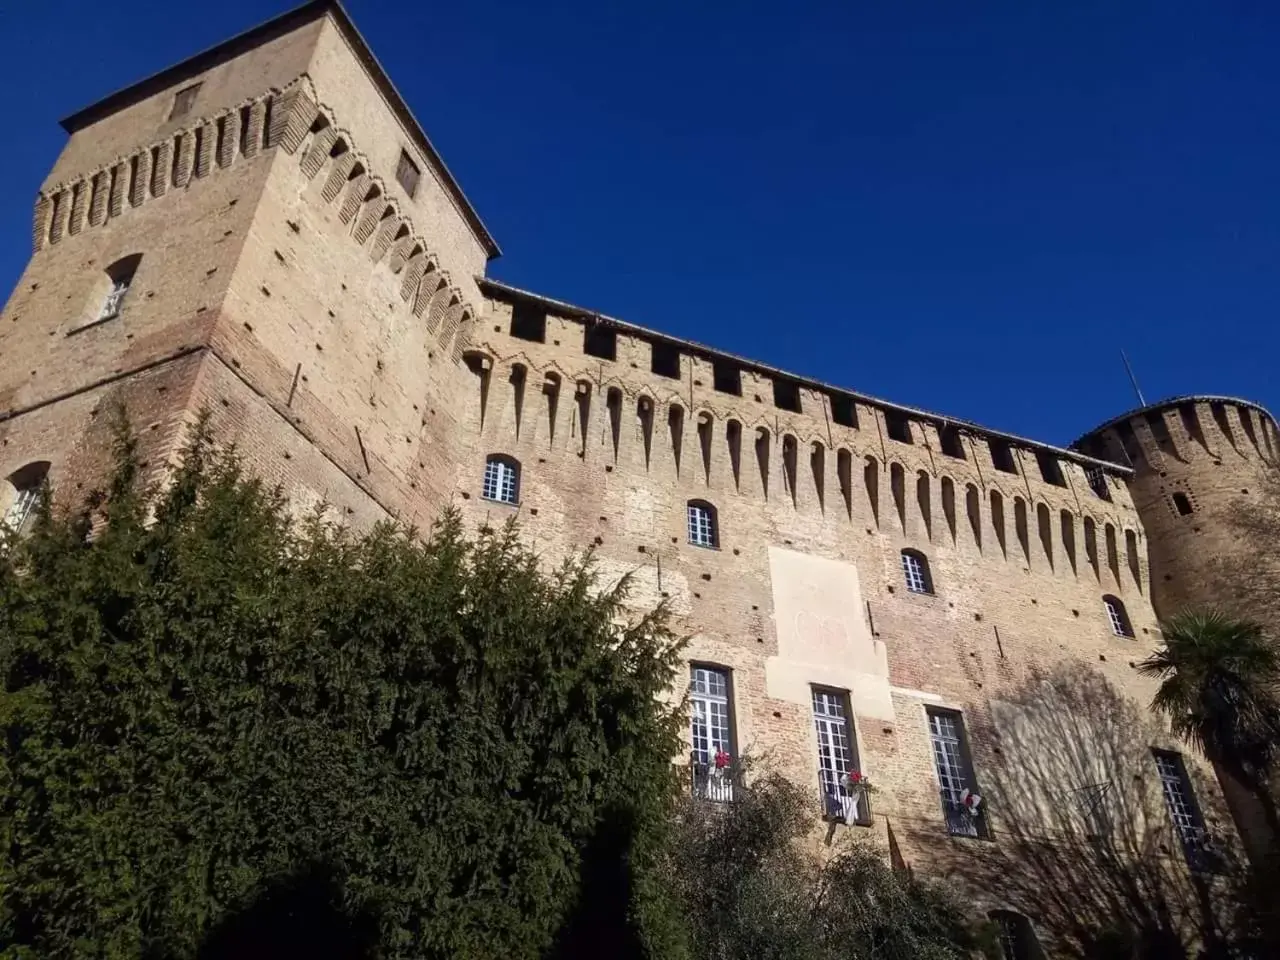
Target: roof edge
[(1176, 401), (692, 346), (270, 29)]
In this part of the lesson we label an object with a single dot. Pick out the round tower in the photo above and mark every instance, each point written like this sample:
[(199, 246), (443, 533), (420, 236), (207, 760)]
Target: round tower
[(1200, 463)]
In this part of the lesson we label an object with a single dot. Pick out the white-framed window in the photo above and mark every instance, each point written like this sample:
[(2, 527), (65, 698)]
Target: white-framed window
[(702, 524), (955, 781), (915, 570), (1118, 617), (837, 758), (501, 479), (24, 493), (711, 732), (1183, 810)]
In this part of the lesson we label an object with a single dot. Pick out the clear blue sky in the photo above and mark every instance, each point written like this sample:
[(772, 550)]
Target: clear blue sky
[(964, 209)]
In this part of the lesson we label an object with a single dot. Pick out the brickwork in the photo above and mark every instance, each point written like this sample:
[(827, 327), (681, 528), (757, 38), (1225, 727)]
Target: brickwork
[(344, 337)]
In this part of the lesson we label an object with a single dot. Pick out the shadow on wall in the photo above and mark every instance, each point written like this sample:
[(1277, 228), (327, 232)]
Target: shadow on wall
[(1086, 848)]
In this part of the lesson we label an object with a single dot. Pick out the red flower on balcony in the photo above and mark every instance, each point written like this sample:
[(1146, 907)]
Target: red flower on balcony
[(722, 759)]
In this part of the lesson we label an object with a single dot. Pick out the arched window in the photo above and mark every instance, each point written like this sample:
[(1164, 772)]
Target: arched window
[(501, 479), (702, 524), (21, 494), (1120, 625), (915, 568), (120, 274), (1017, 939)]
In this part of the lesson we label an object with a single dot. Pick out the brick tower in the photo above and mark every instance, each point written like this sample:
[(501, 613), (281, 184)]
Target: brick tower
[(265, 230), (1199, 463)]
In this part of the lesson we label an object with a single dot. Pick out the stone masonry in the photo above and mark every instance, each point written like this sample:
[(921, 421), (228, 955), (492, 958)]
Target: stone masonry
[(297, 260)]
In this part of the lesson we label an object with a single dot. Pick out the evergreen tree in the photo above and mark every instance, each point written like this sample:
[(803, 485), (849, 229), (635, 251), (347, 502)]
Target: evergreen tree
[(217, 721)]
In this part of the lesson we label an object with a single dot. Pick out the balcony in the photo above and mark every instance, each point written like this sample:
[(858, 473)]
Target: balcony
[(846, 804), (714, 784), (961, 821)]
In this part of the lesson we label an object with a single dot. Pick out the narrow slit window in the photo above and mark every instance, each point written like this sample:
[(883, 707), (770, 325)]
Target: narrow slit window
[(1182, 505)]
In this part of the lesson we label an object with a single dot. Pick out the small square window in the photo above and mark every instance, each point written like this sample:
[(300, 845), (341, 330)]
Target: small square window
[(1050, 469), (183, 101), (665, 360), (843, 411), (952, 445), (898, 426), (1002, 456), (786, 395), (528, 322), (600, 340), (726, 377), (407, 174)]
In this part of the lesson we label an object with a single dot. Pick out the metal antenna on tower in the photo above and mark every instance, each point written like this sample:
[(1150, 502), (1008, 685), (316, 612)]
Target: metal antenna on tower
[(1132, 379)]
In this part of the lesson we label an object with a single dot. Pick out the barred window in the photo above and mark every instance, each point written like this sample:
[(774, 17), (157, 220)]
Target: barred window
[(1119, 618), (501, 479), (702, 524), (955, 780), (915, 569), (1183, 811), (1097, 478)]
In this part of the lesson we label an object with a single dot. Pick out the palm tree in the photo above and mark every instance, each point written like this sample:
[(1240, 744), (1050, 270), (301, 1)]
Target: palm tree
[(1221, 692)]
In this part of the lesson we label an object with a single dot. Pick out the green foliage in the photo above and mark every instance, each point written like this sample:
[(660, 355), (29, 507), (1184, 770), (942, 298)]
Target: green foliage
[(205, 704), (1221, 688), (755, 889)]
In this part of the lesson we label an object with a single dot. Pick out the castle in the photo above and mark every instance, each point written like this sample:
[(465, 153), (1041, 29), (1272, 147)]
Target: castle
[(265, 231)]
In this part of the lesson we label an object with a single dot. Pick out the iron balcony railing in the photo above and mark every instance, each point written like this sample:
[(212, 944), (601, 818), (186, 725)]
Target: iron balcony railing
[(961, 822), (716, 784), (846, 804)]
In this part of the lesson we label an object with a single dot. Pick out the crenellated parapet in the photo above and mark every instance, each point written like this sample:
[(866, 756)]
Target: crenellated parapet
[(1198, 462), (554, 380), (296, 121), (198, 149)]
